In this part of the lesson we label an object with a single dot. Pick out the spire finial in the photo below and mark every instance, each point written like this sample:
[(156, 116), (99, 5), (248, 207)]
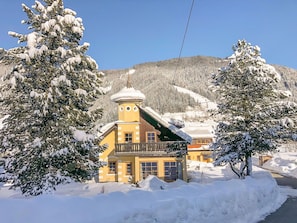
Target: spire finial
[(129, 73), (129, 84)]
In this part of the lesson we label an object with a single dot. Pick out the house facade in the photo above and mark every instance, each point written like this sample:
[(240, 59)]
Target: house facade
[(199, 149), (140, 143)]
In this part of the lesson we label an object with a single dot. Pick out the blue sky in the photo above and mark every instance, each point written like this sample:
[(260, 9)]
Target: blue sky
[(123, 33)]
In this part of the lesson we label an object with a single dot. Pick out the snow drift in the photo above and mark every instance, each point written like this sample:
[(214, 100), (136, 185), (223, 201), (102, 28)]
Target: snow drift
[(156, 201)]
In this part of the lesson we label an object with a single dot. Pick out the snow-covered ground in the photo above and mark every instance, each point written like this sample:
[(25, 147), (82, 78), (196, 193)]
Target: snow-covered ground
[(284, 161), (213, 195)]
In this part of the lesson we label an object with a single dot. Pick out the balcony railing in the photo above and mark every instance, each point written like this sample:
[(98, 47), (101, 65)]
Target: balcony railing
[(171, 148)]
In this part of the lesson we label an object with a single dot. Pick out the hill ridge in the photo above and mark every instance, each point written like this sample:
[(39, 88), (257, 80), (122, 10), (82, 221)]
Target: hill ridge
[(156, 80)]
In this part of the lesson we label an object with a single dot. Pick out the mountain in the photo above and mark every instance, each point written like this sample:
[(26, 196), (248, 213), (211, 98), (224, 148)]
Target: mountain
[(157, 80)]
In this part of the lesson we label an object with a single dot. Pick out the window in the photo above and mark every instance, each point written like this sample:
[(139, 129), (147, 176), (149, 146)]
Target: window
[(112, 169), (170, 171), (149, 168), (202, 141), (128, 108), (206, 155), (129, 169), (128, 137), (151, 137)]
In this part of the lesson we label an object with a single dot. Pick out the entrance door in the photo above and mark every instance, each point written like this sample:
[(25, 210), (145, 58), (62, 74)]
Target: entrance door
[(170, 171)]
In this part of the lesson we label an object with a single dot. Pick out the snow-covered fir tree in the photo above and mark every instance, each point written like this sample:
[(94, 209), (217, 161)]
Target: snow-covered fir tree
[(254, 116), (46, 139)]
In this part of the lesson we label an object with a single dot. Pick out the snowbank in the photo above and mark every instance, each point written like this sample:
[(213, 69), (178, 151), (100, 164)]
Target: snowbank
[(232, 200), (283, 163)]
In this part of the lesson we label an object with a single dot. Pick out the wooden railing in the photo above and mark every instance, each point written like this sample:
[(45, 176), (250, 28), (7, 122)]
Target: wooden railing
[(174, 148)]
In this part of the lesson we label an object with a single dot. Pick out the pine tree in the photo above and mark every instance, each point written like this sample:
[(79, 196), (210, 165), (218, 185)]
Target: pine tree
[(253, 115), (47, 138)]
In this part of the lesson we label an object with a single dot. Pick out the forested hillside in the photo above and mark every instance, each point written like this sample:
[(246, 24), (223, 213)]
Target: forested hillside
[(157, 79)]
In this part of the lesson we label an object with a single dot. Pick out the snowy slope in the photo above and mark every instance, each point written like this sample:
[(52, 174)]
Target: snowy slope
[(203, 101)]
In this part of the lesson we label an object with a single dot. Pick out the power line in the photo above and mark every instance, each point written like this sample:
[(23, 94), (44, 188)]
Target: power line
[(185, 34), (186, 30)]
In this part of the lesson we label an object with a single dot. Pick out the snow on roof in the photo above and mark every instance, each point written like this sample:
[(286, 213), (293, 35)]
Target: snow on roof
[(155, 115), (128, 94), (180, 133), (105, 128), (198, 132)]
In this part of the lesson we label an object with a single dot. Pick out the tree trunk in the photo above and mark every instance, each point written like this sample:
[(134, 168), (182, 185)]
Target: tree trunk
[(234, 170), (249, 164)]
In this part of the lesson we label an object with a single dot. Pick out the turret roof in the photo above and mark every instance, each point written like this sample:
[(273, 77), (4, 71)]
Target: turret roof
[(128, 94)]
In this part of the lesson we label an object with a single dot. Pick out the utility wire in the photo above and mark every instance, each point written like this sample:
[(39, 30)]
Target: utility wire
[(185, 34)]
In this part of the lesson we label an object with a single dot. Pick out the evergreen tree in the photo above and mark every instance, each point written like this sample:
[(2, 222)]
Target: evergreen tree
[(46, 139), (254, 116)]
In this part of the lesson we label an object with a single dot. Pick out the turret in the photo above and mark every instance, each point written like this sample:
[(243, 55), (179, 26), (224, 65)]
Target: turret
[(128, 100)]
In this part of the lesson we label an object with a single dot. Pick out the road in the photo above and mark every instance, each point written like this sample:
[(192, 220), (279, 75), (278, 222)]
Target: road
[(287, 213), (285, 181)]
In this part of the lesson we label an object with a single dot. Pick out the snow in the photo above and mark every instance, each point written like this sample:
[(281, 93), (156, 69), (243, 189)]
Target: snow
[(37, 142), (1, 121), (213, 195), (31, 40), (284, 162), (81, 92), (38, 6), (34, 94), (128, 93), (131, 71), (81, 135), (69, 11), (205, 103), (62, 78), (62, 51), (199, 130), (69, 19), (74, 60)]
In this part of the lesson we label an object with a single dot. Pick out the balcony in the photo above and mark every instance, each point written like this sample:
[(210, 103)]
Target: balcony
[(167, 148)]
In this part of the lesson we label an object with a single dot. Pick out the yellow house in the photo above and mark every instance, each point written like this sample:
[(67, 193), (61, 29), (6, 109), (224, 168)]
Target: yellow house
[(201, 138), (140, 143), (199, 149)]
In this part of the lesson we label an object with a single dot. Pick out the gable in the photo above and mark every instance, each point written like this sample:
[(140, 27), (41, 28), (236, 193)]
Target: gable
[(146, 127), (167, 132)]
